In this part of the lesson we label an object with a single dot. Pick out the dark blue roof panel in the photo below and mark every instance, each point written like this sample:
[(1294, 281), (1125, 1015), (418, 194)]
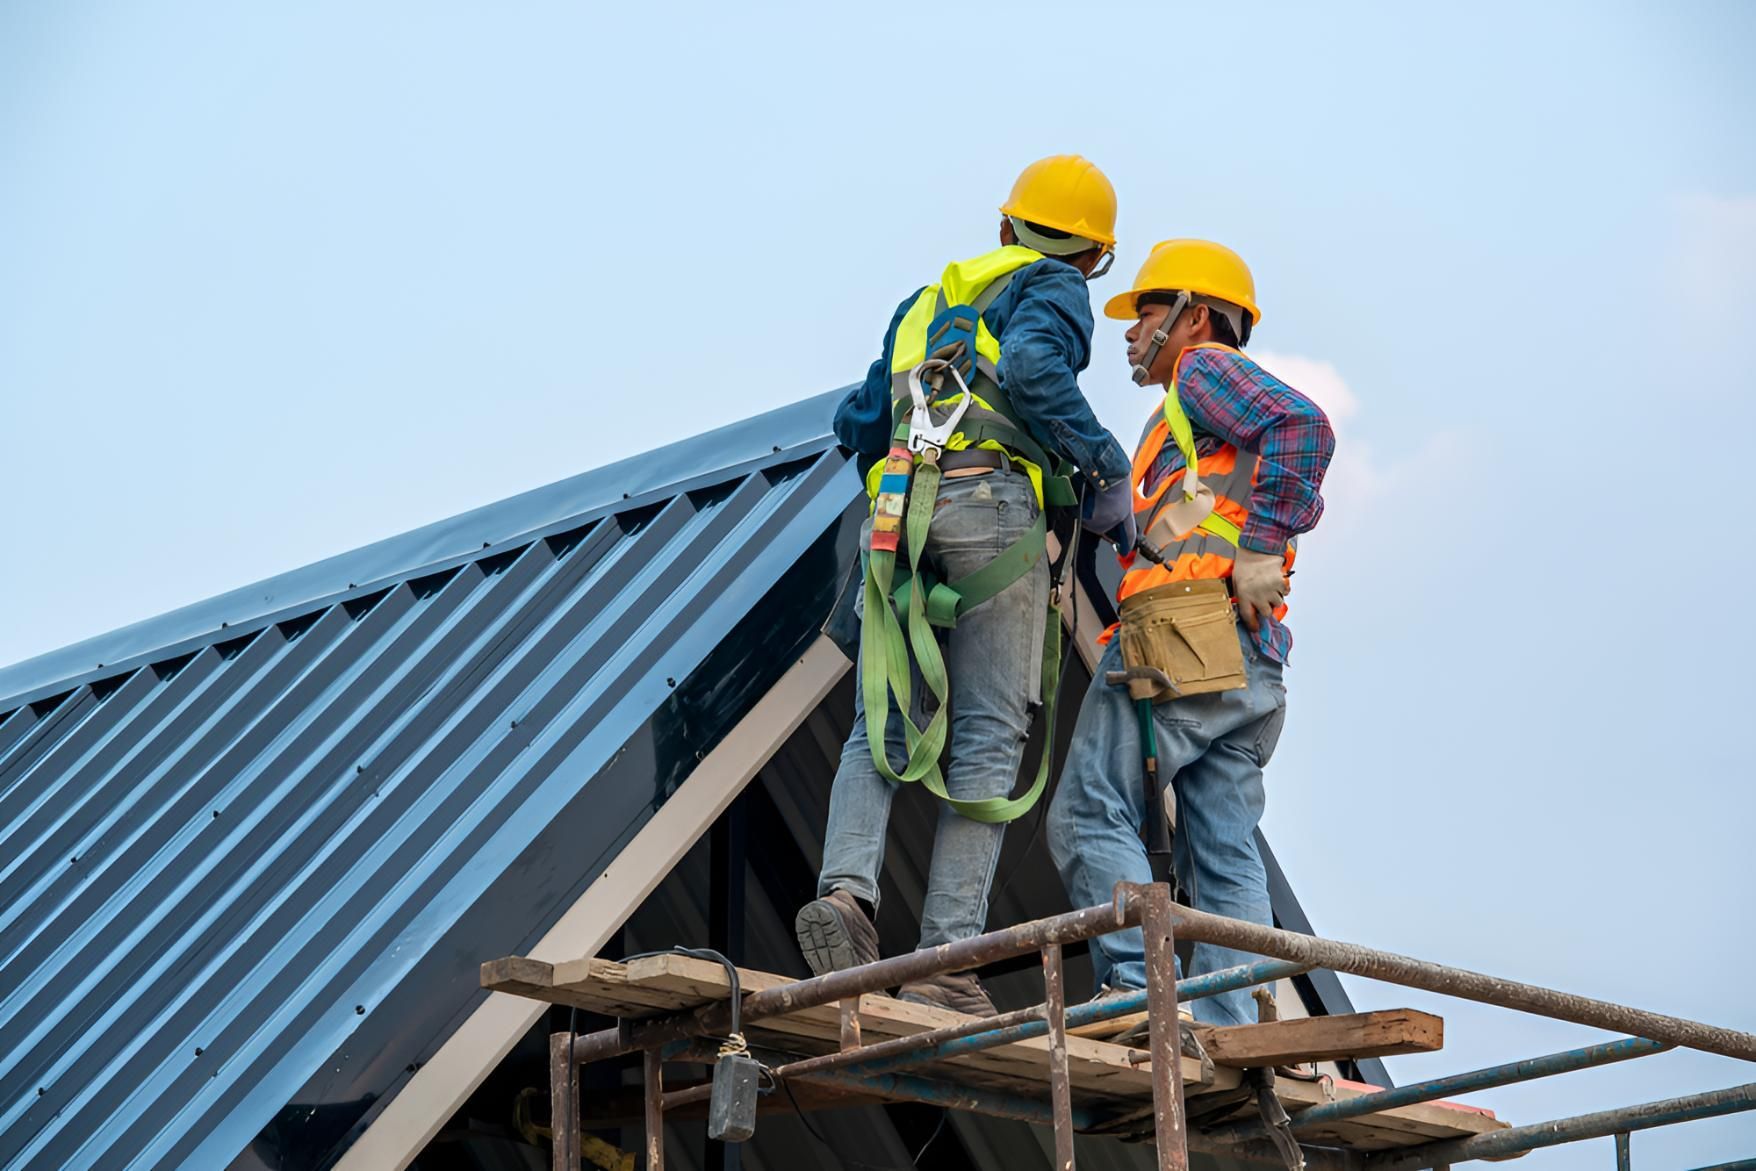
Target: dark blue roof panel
[(226, 851)]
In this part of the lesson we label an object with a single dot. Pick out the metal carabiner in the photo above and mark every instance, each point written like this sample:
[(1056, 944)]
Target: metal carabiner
[(923, 433)]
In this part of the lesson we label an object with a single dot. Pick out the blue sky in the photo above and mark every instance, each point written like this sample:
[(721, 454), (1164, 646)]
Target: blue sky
[(283, 280)]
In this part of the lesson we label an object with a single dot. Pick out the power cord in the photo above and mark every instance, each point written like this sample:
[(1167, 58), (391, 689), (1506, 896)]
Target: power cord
[(734, 1043), (803, 1117), (944, 1117)]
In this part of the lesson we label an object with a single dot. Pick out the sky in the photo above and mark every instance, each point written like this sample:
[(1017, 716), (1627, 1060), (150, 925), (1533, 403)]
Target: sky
[(281, 280)]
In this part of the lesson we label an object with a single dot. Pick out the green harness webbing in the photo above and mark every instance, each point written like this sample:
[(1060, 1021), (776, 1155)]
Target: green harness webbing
[(885, 647)]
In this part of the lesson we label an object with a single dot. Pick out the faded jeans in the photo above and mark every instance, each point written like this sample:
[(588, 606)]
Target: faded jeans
[(993, 659), (1213, 747)]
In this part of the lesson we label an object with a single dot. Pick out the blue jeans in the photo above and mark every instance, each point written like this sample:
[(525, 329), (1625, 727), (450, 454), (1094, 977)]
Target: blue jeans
[(993, 658), (1213, 747)]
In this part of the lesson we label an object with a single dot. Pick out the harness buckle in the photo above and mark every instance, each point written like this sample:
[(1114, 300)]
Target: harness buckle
[(924, 434)]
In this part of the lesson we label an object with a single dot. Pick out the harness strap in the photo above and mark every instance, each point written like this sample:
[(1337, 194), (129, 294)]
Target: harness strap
[(946, 601), (885, 652), (886, 642)]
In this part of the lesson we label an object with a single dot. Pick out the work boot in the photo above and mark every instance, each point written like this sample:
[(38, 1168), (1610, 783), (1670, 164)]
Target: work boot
[(957, 991), (835, 933)]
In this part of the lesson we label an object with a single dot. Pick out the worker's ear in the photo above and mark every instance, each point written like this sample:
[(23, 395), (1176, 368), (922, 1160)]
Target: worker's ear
[(1198, 315), (1007, 235)]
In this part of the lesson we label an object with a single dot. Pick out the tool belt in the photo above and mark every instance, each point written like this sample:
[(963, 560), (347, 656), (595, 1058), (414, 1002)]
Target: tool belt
[(1181, 639)]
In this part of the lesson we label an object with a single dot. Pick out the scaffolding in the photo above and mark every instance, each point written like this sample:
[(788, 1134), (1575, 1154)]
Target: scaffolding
[(1239, 1116)]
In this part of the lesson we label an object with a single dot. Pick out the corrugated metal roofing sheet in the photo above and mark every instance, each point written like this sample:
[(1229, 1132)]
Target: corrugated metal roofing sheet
[(257, 863), (252, 852)]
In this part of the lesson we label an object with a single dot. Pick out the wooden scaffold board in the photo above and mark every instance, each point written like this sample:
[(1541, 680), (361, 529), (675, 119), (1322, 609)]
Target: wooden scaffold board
[(1100, 1072)]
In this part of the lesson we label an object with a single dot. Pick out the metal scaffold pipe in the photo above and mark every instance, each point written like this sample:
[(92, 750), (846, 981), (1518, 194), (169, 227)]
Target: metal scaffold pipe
[(1519, 1139), (1459, 982), (957, 956)]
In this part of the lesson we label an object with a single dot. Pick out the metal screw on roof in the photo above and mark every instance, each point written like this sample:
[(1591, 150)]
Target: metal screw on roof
[(41, 1091), (359, 768), (670, 682), (359, 1010), (216, 813), (515, 723), (198, 1051), (412, 1066)]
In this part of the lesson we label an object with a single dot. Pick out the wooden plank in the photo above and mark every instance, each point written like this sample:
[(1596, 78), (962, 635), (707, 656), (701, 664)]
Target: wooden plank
[(594, 985), (1098, 1069), (1399, 1127), (1402, 1127), (1324, 1038), (1103, 1030), (668, 984)]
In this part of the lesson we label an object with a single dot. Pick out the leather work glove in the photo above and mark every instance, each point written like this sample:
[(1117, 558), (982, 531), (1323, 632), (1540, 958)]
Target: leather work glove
[(1110, 514), (1260, 585)]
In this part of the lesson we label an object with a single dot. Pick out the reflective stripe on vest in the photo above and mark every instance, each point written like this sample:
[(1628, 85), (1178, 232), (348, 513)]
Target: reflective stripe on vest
[(1208, 551), (976, 282)]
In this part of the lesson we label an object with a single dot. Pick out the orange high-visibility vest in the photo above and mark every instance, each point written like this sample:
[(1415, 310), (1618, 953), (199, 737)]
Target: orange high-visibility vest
[(1228, 472)]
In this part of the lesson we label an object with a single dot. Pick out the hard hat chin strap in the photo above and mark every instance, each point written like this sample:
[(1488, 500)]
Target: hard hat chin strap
[(1103, 266), (1160, 336)]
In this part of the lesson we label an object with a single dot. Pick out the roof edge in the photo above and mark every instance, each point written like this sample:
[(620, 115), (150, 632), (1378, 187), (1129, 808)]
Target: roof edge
[(784, 432)]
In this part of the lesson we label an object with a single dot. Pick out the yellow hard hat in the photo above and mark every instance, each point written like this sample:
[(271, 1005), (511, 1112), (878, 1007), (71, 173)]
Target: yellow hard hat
[(1067, 193), (1190, 266)]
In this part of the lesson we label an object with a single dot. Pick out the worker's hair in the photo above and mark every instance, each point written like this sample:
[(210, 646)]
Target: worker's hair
[(1058, 234), (1222, 328)]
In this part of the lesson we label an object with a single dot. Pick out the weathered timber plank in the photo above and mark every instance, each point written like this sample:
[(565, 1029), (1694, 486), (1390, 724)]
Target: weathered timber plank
[(1401, 1126), (1097, 1068), (667, 984), (1102, 1029), (594, 985), (1324, 1038)]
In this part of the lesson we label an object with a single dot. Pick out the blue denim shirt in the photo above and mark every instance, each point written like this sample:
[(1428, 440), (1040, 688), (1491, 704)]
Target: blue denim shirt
[(1043, 323)]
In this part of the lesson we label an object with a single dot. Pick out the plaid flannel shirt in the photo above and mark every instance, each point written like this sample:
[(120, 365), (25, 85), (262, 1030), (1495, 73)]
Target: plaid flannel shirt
[(1230, 399)]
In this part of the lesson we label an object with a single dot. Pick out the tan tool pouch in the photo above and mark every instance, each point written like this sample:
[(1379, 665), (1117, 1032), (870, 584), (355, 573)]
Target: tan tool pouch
[(1186, 630)]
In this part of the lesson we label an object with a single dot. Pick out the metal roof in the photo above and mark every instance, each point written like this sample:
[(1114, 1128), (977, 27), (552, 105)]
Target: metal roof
[(249, 866), (252, 852)]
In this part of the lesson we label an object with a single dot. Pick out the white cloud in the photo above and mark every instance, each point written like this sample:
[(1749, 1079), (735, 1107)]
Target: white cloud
[(1360, 479), (1315, 378)]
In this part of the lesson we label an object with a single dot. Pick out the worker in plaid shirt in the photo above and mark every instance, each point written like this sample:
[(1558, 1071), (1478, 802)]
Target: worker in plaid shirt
[(1261, 449)]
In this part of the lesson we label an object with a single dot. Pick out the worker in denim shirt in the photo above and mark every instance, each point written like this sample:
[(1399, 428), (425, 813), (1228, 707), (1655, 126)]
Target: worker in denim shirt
[(1031, 297)]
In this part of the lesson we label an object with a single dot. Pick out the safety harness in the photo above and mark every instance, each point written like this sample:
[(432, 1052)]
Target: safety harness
[(950, 366)]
